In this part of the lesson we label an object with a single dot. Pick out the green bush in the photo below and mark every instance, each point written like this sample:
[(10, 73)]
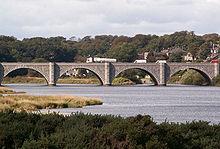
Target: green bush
[(122, 81), (33, 131), (188, 77), (192, 77), (216, 81)]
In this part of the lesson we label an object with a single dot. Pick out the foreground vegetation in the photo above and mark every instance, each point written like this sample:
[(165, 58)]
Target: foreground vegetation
[(33, 103), (33, 131)]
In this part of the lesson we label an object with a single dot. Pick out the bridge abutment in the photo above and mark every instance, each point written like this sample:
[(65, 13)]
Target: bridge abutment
[(1, 74), (163, 80), (107, 81), (216, 71), (51, 81)]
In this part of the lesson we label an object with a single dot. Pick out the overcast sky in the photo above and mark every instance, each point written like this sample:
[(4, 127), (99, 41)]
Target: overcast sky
[(29, 18)]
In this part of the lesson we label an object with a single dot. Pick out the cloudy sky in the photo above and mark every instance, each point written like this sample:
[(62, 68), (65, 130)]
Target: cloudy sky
[(29, 18)]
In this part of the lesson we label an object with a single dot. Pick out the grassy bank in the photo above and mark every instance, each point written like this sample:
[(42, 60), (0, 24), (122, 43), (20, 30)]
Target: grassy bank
[(33, 131), (23, 80), (216, 81), (6, 90), (37, 80), (74, 80), (188, 77), (122, 81), (32, 103)]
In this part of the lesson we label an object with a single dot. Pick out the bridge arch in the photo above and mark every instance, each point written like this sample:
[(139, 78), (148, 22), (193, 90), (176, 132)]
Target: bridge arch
[(97, 74), (30, 68), (151, 74), (204, 74)]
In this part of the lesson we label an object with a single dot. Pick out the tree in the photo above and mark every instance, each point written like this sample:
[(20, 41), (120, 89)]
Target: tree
[(176, 57), (123, 53)]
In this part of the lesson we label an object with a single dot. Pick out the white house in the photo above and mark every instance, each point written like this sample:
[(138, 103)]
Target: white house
[(189, 57)]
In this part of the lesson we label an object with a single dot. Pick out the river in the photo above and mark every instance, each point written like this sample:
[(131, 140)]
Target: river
[(171, 103)]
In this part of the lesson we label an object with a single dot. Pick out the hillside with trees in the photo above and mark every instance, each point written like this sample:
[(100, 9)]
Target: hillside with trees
[(123, 48)]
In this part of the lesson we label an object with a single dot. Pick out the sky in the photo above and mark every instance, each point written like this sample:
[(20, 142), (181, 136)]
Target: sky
[(79, 18)]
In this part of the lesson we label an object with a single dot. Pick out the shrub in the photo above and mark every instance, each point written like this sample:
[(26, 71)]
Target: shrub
[(122, 81), (216, 81), (27, 130)]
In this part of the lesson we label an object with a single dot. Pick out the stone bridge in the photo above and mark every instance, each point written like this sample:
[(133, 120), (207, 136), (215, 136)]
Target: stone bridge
[(106, 72)]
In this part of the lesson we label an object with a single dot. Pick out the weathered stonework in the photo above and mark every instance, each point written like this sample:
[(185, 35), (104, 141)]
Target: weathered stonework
[(42, 68), (208, 70), (97, 68), (152, 69), (106, 72)]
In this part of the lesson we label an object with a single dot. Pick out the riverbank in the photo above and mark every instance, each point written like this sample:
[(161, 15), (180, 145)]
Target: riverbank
[(65, 80), (38, 80), (28, 130), (6, 90), (122, 81), (189, 77), (33, 103)]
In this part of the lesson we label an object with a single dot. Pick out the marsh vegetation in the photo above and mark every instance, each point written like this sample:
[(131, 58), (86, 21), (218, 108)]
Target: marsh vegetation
[(33, 103)]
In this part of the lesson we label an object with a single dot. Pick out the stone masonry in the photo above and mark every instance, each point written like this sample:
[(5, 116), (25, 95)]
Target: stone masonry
[(106, 72)]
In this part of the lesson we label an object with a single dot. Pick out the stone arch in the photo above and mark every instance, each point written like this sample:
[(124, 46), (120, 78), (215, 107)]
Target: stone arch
[(31, 68), (97, 74), (202, 72), (150, 73)]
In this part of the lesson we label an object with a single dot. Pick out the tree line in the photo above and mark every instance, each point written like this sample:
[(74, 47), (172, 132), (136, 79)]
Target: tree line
[(123, 48)]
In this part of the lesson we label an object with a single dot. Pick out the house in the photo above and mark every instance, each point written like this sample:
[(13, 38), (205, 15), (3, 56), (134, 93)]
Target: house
[(166, 51), (214, 56), (189, 57), (143, 55), (215, 49)]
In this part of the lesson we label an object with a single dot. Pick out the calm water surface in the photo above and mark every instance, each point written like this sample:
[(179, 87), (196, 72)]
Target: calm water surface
[(171, 103)]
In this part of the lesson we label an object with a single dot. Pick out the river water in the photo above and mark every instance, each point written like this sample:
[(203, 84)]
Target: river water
[(170, 103)]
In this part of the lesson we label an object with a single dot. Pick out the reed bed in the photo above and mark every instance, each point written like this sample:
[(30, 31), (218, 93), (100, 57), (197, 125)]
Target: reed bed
[(34, 103), (6, 90)]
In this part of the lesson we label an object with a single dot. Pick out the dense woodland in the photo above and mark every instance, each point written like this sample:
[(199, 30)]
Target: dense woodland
[(123, 48), (29, 131)]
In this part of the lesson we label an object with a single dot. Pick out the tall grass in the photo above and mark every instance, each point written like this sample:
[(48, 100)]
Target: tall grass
[(37, 80), (74, 80), (32, 103), (23, 79), (5, 90)]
